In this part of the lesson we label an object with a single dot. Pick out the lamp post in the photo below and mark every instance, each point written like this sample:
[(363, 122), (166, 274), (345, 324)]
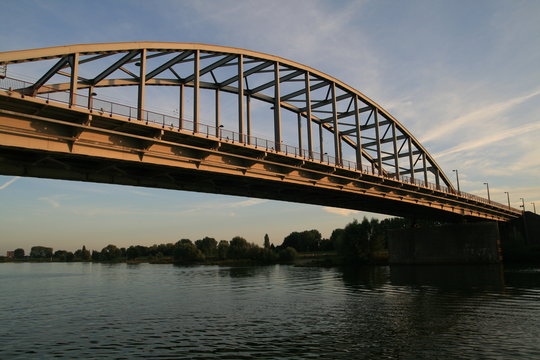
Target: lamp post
[(534, 207), (522, 204), (508, 196), (91, 95), (487, 185), (457, 180)]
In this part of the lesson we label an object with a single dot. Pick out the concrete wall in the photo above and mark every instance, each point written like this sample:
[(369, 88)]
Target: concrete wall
[(472, 243), (520, 239)]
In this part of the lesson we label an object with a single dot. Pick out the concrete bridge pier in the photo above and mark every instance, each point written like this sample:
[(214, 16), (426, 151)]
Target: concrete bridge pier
[(521, 238), (461, 243)]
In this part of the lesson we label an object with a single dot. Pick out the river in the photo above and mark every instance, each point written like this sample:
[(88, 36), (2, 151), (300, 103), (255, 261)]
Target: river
[(145, 311)]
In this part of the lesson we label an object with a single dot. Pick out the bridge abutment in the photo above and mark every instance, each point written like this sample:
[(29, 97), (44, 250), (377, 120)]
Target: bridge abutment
[(464, 243), (521, 238)]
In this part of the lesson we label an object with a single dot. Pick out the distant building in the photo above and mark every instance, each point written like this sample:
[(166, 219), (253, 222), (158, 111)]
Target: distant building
[(10, 254)]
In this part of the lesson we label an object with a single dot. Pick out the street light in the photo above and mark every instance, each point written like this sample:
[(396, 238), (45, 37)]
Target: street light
[(457, 179), (91, 95), (522, 204), (508, 196), (534, 207), (487, 185)]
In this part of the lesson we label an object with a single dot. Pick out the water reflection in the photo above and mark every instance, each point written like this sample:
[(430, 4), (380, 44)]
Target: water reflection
[(368, 277), (212, 312), (523, 276), (449, 277)]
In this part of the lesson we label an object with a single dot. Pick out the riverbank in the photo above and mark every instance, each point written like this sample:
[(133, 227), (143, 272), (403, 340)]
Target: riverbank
[(308, 259)]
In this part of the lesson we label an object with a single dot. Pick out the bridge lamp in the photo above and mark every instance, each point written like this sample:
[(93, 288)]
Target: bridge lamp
[(487, 185), (457, 180), (91, 99), (522, 204), (508, 196)]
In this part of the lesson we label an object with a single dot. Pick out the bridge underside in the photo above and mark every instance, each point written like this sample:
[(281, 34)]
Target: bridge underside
[(80, 168), (40, 140)]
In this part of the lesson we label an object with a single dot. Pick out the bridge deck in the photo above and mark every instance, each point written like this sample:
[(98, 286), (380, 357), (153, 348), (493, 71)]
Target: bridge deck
[(44, 138)]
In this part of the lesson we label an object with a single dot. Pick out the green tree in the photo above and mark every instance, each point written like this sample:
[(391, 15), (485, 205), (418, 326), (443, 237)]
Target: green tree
[(166, 249), (110, 253), (287, 255), (353, 242), (63, 255), (136, 251), (326, 245), (18, 253), (223, 249), (308, 240), (238, 248), (262, 255), (41, 252), (187, 253), (83, 254), (184, 241), (208, 246), (336, 238)]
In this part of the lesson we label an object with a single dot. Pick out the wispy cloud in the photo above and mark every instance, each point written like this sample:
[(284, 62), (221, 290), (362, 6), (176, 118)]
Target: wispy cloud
[(51, 200), (341, 212), (245, 203), (9, 182), (138, 211), (140, 193), (480, 116), (507, 133), (55, 200), (229, 205)]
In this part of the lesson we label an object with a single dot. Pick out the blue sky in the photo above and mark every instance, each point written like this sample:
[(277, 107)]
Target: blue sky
[(462, 76)]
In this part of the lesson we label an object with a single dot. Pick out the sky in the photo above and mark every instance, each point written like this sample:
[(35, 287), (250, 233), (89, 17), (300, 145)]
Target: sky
[(462, 76)]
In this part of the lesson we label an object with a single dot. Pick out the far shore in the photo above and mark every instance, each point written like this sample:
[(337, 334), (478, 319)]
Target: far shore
[(319, 259)]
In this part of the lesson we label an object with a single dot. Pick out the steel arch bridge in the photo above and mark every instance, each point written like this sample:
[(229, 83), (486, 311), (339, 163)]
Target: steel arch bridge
[(230, 121)]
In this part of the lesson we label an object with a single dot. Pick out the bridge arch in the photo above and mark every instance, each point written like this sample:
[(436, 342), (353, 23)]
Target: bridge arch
[(230, 121), (323, 118)]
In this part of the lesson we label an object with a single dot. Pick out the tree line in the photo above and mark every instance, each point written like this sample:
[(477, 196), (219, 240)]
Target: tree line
[(356, 243), (182, 252)]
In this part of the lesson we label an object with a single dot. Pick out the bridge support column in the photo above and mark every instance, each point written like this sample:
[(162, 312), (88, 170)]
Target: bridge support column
[(466, 243), (308, 116), (358, 135), (142, 84), (277, 109)]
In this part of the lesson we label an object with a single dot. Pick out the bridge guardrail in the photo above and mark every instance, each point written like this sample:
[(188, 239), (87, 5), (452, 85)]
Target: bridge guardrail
[(175, 122)]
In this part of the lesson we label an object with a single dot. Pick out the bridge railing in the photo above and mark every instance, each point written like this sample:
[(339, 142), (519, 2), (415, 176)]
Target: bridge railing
[(176, 123)]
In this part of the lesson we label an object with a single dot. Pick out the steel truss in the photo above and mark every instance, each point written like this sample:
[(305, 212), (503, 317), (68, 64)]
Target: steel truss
[(360, 133)]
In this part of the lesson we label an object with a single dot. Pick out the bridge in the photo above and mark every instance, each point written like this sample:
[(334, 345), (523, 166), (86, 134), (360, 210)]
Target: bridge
[(227, 121)]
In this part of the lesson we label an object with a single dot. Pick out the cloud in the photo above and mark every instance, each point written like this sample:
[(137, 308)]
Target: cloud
[(482, 115), (506, 133), (341, 212), (9, 182), (129, 210), (245, 203), (53, 202), (529, 194), (229, 205), (140, 193)]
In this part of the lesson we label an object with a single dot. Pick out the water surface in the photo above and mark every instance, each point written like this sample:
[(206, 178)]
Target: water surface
[(85, 310)]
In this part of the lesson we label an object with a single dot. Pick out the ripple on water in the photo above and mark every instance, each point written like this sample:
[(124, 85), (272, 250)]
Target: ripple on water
[(209, 312)]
